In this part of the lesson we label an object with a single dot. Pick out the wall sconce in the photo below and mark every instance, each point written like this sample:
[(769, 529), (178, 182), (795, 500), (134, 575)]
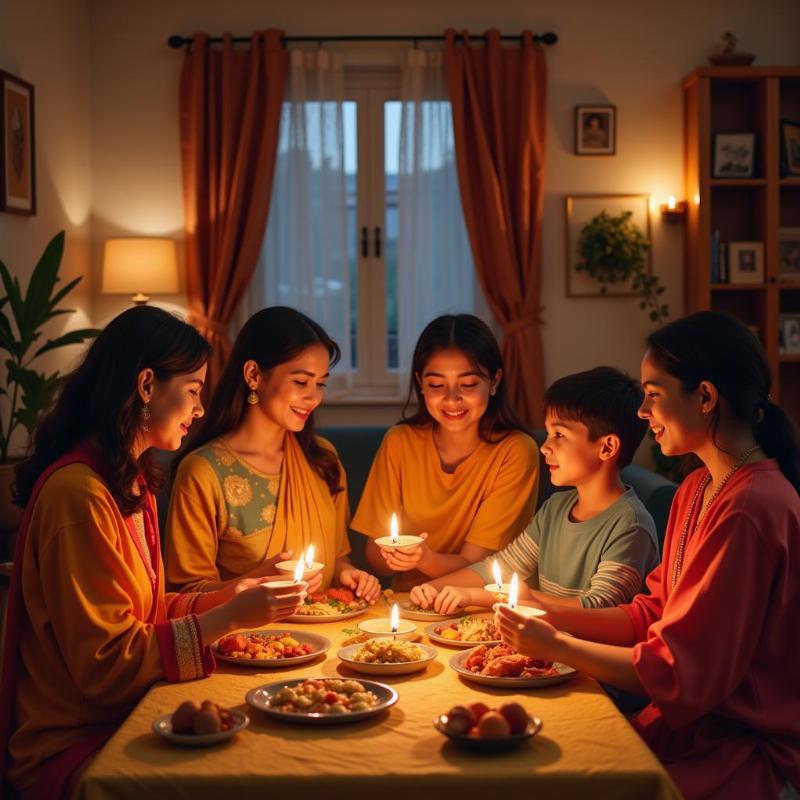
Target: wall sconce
[(673, 211), (134, 265)]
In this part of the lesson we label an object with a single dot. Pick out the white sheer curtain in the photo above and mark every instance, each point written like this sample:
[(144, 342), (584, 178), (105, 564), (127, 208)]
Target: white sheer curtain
[(435, 272), (304, 258)]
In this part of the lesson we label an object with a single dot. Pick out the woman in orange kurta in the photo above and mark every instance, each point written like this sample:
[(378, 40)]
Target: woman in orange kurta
[(461, 471), (714, 644), (258, 484), (89, 627)]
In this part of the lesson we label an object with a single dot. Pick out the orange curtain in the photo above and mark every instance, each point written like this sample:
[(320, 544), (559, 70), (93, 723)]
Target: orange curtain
[(498, 101), (230, 112)]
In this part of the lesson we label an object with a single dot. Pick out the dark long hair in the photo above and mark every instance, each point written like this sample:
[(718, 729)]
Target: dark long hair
[(100, 399), (270, 337), (714, 347), (472, 336)]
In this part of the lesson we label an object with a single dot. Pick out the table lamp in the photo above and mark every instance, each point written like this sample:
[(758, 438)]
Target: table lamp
[(134, 265)]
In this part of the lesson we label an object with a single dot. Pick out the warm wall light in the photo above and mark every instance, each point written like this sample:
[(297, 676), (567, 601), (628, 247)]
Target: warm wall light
[(673, 210), (133, 265)]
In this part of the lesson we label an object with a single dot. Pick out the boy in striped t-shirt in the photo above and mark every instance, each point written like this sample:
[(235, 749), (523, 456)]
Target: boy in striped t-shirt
[(593, 545)]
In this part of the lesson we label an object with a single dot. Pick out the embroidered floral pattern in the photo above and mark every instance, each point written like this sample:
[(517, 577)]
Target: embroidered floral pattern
[(224, 456), (237, 490), (188, 651), (273, 485), (268, 514)]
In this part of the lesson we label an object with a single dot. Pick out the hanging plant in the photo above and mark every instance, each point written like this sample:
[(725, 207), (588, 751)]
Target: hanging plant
[(614, 250)]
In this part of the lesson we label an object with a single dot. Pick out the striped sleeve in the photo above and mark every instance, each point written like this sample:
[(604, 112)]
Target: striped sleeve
[(520, 555)]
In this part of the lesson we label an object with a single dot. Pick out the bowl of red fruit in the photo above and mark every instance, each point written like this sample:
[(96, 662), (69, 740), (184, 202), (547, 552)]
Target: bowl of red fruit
[(489, 730), (195, 724)]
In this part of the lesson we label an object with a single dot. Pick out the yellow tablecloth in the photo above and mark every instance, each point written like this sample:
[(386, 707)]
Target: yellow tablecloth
[(585, 749)]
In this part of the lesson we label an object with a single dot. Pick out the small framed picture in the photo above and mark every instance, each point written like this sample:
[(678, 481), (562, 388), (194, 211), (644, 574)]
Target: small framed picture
[(595, 130), (746, 262), (790, 148), (789, 254), (17, 162), (790, 334), (734, 154)]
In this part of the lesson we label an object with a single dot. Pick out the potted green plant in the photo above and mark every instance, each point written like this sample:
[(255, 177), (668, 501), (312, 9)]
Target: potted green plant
[(612, 249), (28, 393)]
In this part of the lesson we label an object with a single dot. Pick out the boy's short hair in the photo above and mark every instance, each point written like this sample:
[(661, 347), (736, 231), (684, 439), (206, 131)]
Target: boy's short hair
[(605, 400)]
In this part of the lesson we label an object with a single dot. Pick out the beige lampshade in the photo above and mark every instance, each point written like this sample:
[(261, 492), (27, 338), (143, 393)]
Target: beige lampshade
[(140, 264)]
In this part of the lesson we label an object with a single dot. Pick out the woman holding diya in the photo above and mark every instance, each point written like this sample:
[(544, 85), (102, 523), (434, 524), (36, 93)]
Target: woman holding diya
[(89, 628), (711, 645), (461, 472), (258, 484)]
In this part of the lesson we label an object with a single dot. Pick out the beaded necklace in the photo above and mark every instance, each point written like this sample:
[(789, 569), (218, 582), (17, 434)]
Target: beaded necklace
[(678, 563)]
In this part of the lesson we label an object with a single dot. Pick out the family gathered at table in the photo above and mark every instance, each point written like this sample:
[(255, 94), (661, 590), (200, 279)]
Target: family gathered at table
[(683, 664)]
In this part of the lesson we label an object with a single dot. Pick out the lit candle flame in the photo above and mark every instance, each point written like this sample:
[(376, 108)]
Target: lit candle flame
[(393, 529), (395, 619), (498, 578), (298, 571), (513, 591), (310, 556), (671, 202)]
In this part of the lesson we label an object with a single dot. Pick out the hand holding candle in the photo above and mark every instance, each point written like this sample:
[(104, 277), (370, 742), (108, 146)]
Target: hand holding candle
[(513, 601)]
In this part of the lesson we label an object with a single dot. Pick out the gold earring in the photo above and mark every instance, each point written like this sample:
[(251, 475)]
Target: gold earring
[(252, 398), (145, 417)]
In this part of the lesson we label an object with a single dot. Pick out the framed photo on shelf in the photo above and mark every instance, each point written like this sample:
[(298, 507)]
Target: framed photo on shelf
[(583, 208), (790, 334), (595, 130), (789, 254), (17, 153), (746, 262), (790, 148), (734, 155)]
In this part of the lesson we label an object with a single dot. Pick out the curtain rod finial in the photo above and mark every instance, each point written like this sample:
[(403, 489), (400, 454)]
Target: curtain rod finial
[(176, 41), (548, 38)]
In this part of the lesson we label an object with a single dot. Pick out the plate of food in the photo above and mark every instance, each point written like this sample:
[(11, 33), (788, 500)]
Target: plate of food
[(387, 657), (194, 724), (500, 665), (322, 701), (270, 649), (331, 605), (465, 632), (409, 610), (488, 730)]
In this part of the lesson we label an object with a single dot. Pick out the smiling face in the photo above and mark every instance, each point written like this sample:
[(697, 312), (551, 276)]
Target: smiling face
[(675, 417), (173, 404), (289, 392), (570, 454), (456, 394)]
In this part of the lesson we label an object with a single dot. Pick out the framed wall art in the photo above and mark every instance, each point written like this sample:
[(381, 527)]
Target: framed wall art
[(17, 143)]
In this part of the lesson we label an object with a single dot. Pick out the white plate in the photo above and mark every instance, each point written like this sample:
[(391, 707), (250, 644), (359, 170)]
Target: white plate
[(321, 644), (435, 637), (458, 661), (347, 655), (310, 618), (259, 698), (163, 727), (406, 612)]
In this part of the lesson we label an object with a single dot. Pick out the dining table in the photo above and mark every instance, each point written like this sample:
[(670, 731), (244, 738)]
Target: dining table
[(586, 747)]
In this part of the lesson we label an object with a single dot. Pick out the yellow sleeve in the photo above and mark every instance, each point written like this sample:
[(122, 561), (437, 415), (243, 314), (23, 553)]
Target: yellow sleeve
[(382, 491), (341, 505), (511, 501), (194, 522), (90, 593)]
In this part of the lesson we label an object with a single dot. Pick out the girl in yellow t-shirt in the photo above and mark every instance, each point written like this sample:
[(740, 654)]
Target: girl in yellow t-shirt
[(259, 486), (461, 471)]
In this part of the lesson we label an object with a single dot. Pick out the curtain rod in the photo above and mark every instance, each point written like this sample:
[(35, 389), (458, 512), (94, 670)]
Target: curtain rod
[(176, 41)]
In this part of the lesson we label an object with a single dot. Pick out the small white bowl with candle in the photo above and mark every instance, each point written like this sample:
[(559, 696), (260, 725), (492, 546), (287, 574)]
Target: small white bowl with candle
[(392, 626), (395, 540), (297, 577), (310, 567), (498, 587), (513, 595)]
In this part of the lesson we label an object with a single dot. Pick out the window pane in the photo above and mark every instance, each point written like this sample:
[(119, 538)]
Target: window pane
[(391, 150), (351, 189)]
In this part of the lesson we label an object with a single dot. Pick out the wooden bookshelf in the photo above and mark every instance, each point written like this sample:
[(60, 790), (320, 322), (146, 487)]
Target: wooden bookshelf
[(736, 100)]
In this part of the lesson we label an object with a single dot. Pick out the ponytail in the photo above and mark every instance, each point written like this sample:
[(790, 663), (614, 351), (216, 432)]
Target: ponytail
[(777, 436)]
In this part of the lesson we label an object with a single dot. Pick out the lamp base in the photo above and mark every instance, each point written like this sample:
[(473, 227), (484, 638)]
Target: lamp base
[(140, 299)]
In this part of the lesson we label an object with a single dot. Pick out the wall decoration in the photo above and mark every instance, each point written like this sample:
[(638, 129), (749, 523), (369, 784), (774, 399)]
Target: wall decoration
[(17, 164), (746, 262), (790, 334), (789, 254), (734, 155), (595, 130), (790, 148)]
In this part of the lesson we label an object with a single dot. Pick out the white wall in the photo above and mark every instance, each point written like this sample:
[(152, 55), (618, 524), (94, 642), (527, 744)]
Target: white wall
[(46, 43)]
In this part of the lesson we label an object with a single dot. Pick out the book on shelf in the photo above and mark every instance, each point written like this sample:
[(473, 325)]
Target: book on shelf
[(715, 257), (724, 271)]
